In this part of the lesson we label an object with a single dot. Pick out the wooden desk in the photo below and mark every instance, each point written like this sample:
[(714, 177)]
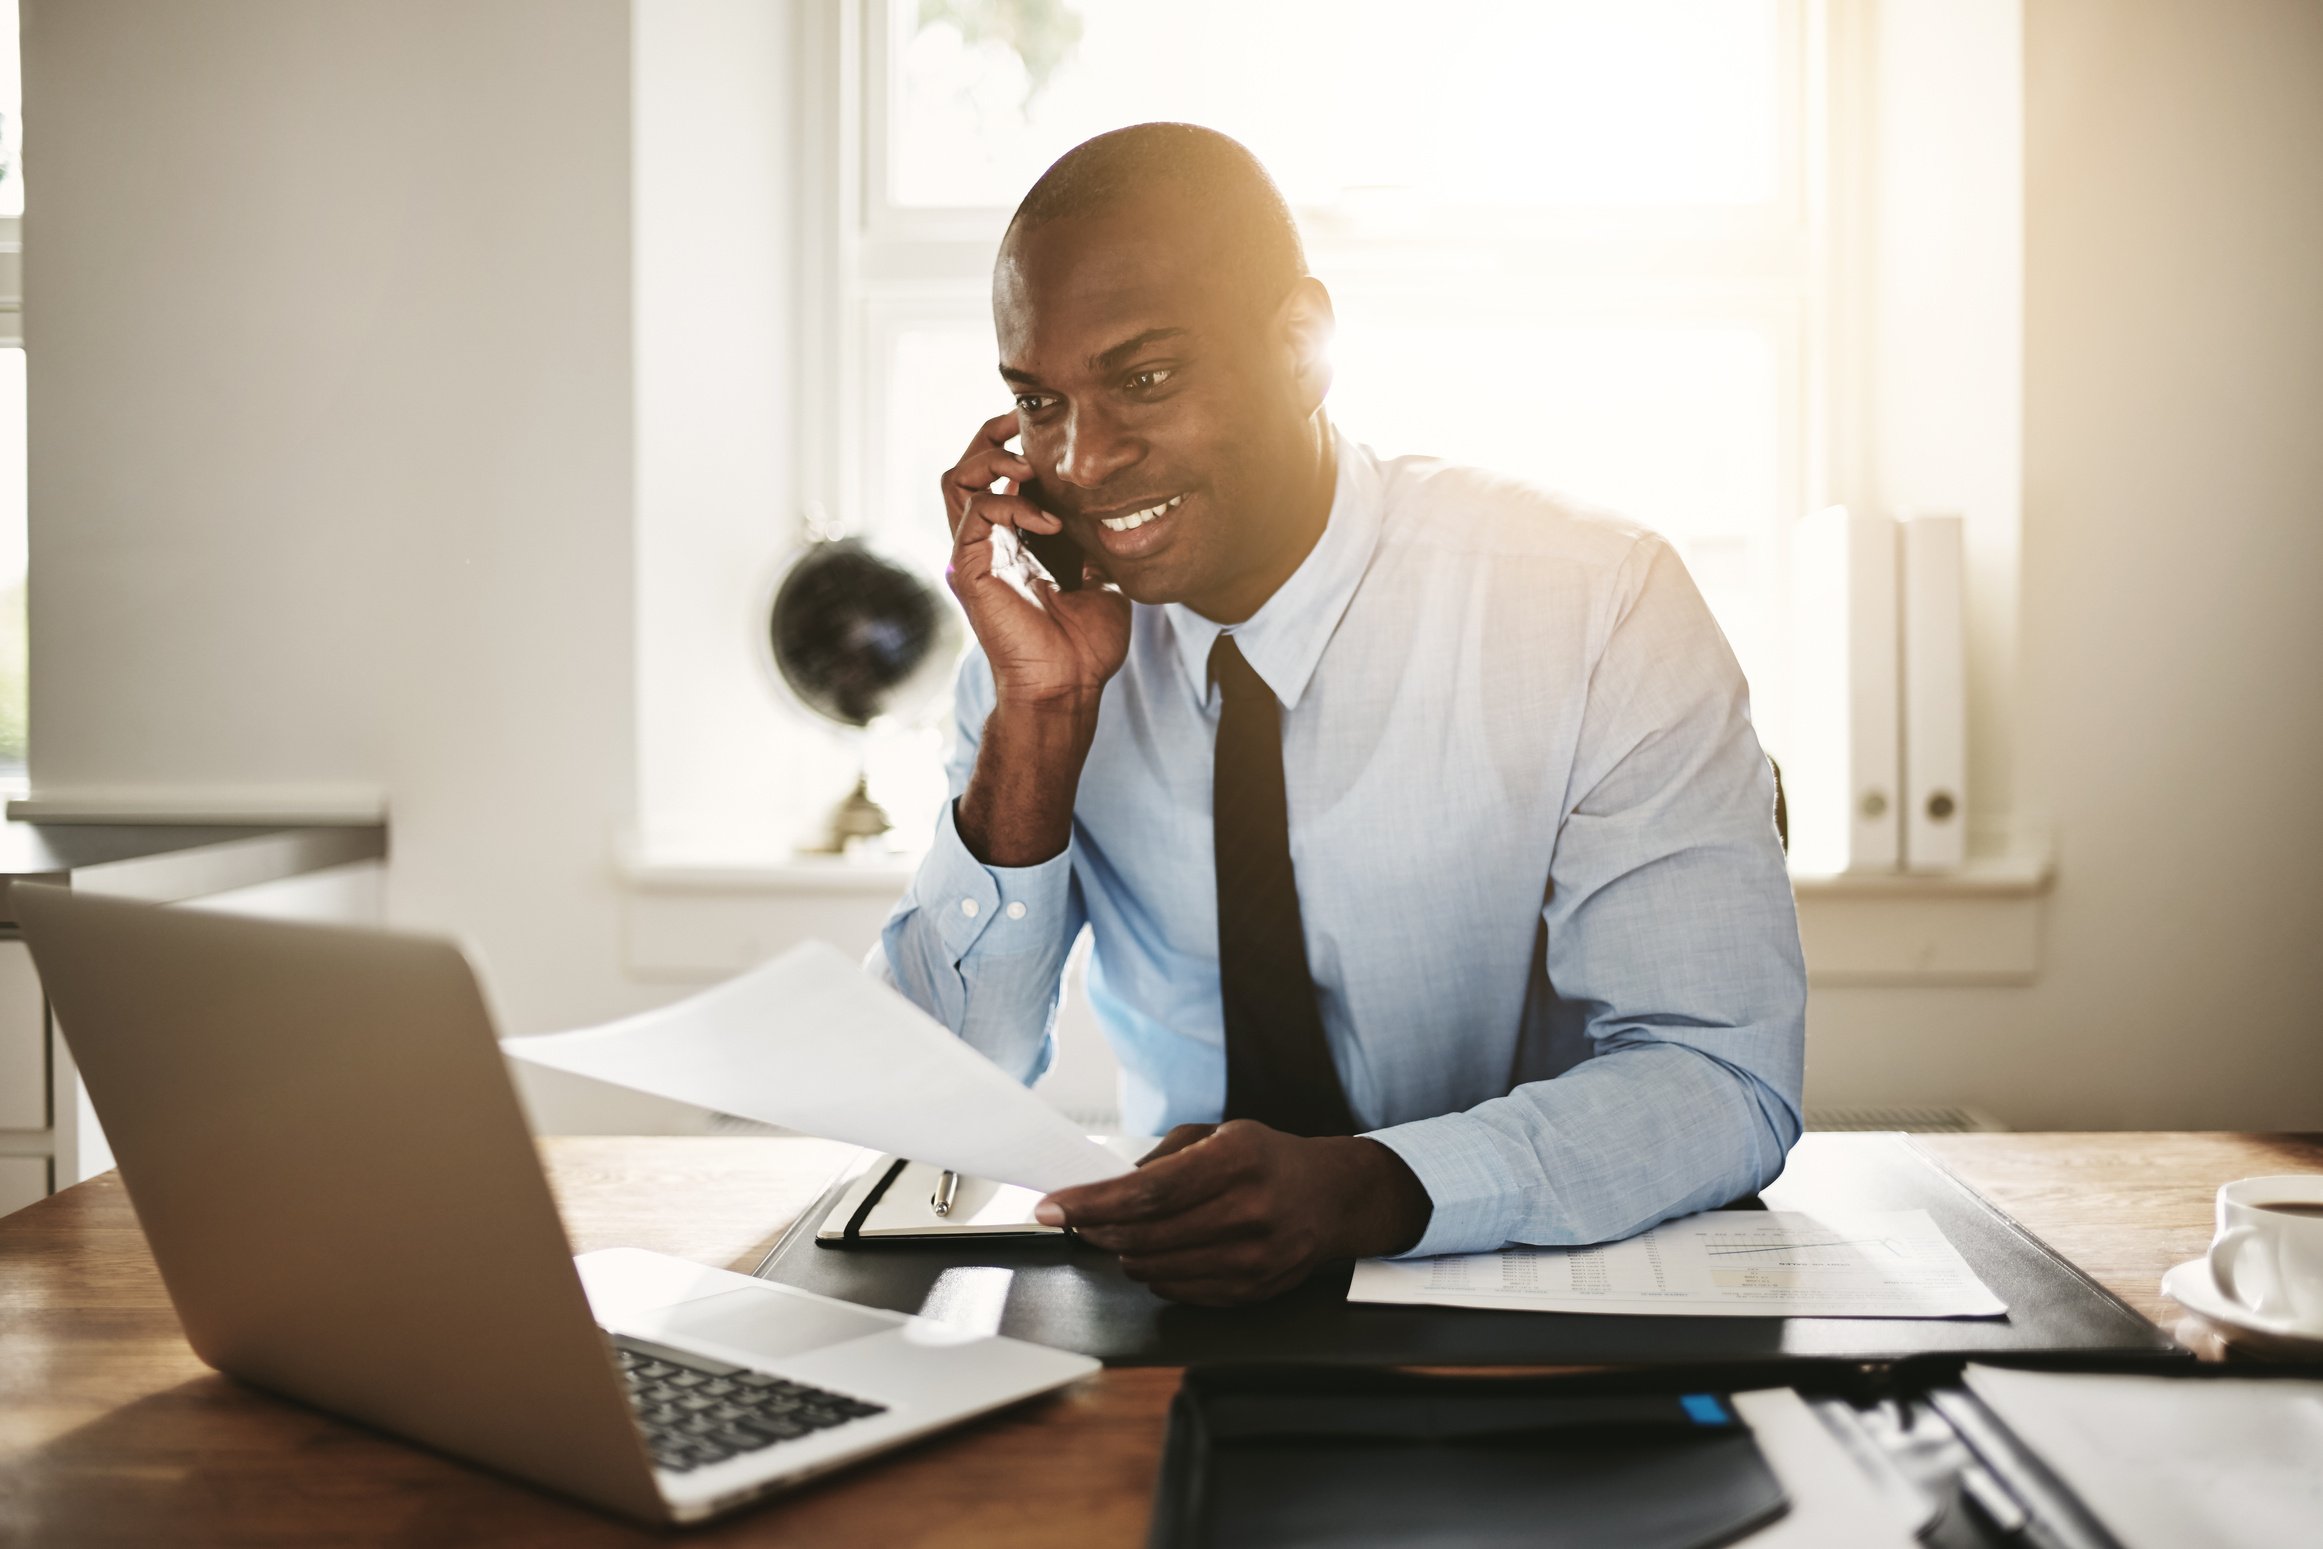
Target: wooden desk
[(112, 1433)]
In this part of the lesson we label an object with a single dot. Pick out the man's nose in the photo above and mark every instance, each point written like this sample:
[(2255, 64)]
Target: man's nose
[(1095, 449)]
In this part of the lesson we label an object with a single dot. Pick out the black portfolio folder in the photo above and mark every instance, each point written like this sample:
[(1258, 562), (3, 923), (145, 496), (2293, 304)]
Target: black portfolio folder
[(1311, 1457), (1282, 1459), (1069, 1295)]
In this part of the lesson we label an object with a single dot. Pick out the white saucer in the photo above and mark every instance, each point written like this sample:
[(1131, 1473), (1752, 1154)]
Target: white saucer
[(2191, 1287)]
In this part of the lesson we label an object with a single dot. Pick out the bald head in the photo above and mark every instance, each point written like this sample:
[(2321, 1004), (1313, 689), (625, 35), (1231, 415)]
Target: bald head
[(1166, 348), (1225, 197)]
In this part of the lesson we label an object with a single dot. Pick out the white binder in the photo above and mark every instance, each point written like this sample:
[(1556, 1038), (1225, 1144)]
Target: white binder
[(1935, 668), (1840, 772)]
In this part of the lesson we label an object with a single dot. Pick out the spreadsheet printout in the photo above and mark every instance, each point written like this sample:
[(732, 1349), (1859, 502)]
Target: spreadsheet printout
[(1721, 1263)]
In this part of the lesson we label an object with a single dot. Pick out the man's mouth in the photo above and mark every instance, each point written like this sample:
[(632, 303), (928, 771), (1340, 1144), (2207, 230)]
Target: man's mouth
[(1132, 520)]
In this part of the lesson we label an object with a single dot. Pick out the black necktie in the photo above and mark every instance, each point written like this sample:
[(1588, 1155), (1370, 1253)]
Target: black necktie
[(1278, 1065)]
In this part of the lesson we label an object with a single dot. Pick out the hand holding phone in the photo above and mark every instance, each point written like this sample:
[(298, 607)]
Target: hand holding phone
[(1052, 640), (1057, 552)]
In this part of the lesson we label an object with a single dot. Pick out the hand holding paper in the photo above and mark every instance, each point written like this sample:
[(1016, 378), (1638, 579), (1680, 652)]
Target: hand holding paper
[(811, 1042)]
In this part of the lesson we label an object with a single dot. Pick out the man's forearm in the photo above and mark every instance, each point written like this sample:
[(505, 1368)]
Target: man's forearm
[(1018, 807), (1691, 1131)]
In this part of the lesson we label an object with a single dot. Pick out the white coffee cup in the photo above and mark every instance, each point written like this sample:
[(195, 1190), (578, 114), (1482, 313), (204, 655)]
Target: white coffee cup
[(2268, 1254)]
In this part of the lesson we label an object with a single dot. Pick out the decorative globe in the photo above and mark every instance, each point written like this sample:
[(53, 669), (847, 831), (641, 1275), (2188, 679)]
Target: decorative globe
[(854, 637), (857, 636)]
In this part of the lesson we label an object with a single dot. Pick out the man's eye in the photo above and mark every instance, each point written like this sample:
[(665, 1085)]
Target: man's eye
[(1030, 403), (1143, 381)]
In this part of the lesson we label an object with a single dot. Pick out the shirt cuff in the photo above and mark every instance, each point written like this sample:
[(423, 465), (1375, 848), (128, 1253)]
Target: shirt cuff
[(1457, 1162), (990, 911)]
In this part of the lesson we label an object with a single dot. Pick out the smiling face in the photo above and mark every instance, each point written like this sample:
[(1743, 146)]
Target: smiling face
[(1174, 421)]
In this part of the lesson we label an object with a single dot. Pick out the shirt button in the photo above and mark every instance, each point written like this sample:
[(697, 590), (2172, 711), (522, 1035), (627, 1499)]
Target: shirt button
[(969, 907), (1016, 910)]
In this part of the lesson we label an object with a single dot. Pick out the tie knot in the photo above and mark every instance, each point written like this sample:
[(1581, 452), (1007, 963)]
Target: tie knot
[(1234, 675)]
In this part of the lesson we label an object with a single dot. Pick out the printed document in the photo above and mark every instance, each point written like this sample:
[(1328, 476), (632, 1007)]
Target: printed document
[(811, 1042), (1721, 1263)]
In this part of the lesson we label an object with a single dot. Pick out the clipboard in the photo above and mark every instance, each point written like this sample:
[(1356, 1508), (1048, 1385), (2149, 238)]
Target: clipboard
[(1258, 1458)]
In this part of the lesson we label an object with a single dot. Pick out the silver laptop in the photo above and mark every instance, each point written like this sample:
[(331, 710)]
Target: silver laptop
[(329, 1162)]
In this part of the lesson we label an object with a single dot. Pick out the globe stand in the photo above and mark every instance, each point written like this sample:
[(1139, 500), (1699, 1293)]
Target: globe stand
[(856, 821)]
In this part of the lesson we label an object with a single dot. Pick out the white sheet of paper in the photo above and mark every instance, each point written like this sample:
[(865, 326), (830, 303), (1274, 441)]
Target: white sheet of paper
[(811, 1042), (1721, 1263), (2165, 1462)]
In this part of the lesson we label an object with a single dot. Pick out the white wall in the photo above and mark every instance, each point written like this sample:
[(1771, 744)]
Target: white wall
[(332, 447), (2172, 603)]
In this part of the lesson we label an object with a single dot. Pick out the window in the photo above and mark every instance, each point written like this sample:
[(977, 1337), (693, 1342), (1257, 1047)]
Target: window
[(1568, 240), (1660, 253)]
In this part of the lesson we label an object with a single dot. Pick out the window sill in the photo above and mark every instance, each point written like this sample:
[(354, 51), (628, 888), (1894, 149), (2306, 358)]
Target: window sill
[(885, 875), (697, 918), (2015, 874), (1978, 925)]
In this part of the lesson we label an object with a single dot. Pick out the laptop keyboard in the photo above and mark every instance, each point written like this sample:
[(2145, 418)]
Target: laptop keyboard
[(695, 1411)]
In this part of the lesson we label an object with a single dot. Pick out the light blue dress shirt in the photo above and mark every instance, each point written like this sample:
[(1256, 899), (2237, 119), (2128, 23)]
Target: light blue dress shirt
[(1545, 907)]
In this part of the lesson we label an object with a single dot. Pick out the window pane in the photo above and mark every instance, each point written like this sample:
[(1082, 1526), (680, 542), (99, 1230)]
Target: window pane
[(1673, 425), (1500, 102), (941, 385)]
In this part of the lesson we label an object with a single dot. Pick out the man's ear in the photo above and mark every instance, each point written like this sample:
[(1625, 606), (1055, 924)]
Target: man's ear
[(1305, 324)]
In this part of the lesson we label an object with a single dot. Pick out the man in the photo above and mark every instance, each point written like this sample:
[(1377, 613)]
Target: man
[(1416, 814)]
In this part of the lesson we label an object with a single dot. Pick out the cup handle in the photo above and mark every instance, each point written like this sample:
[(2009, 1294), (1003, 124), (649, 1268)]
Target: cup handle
[(2223, 1254)]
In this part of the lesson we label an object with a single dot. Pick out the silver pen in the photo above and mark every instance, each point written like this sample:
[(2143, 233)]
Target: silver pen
[(947, 1189)]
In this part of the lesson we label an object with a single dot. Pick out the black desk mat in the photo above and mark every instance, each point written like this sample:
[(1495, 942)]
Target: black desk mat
[(1066, 1294)]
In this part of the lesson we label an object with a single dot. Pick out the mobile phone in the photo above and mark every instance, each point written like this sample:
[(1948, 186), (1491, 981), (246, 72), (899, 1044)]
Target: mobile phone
[(1058, 554)]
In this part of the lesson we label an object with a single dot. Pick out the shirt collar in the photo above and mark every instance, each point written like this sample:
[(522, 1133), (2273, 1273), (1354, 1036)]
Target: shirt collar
[(1284, 639)]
